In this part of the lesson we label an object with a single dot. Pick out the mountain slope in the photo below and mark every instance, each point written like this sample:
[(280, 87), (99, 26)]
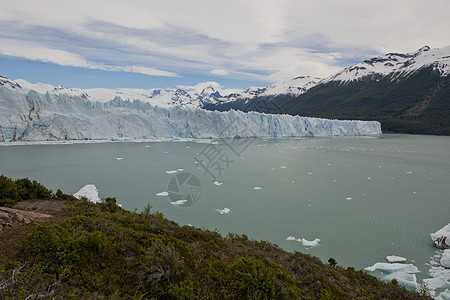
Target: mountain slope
[(407, 93), (419, 103)]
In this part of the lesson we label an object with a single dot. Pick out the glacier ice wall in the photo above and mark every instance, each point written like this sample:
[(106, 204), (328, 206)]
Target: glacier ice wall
[(32, 116)]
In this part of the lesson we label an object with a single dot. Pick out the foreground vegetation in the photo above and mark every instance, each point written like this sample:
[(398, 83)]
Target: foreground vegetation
[(101, 251)]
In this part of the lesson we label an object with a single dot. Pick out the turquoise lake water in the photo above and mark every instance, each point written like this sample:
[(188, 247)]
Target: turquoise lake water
[(363, 197)]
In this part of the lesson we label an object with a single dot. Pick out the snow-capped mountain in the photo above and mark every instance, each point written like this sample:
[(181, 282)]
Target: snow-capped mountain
[(185, 96), (396, 64)]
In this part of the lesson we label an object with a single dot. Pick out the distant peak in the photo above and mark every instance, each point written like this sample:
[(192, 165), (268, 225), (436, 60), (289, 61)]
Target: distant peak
[(424, 48)]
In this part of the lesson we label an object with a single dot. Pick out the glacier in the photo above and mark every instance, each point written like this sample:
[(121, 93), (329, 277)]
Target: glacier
[(28, 116)]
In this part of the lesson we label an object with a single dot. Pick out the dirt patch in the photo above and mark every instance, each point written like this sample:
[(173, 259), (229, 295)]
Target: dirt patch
[(24, 216), (51, 207)]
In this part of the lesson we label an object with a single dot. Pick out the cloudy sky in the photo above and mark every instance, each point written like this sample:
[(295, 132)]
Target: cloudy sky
[(238, 43)]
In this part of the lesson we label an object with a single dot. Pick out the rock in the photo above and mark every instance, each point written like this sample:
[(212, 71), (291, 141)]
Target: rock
[(11, 217)]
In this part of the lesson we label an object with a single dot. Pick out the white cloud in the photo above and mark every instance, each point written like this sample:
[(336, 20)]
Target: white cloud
[(262, 40), (34, 51), (220, 72)]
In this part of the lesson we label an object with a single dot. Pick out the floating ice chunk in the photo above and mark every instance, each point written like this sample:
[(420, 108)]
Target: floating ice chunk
[(291, 238), (165, 152), (118, 158), (187, 147), (283, 167), (147, 146), (445, 259), (163, 194), (441, 238), (369, 178), (171, 172), (409, 172), (293, 181), (90, 192), (403, 278), (440, 271), (395, 267), (223, 211), (178, 202), (313, 243), (348, 198), (445, 295), (309, 173), (180, 170), (217, 183), (435, 283), (394, 258), (257, 188)]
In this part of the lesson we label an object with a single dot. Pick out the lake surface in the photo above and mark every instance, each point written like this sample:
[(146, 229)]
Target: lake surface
[(364, 197)]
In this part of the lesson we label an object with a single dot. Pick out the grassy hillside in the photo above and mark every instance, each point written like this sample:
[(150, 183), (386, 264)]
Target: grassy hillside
[(100, 251)]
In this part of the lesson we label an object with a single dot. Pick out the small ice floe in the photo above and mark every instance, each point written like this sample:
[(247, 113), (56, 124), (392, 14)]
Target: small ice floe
[(445, 295), (328, 164), (217, 183), (309, 173), (445, 259), (441, 238), (409, 172), (369, 178), (394, 258), (403, 273), (187, 147), (379, 166), (283, 167), (393, 267), (163, 194), (90, 192), (165, 152), (178, 202), (348, 198), (305, 242), (147, 146), (313, 243), (118, 158), (171, 172), (180, 170), (223, 211), (257, 188), (293, 181), (414, 193)]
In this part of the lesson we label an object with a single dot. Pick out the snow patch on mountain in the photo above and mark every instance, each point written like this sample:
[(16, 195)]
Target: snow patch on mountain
[(397, 63)]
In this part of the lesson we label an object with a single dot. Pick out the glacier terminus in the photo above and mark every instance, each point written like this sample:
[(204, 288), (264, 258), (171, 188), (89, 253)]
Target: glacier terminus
[(29, 116)]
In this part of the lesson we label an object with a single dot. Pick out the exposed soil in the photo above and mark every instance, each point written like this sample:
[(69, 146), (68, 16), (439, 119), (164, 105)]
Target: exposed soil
[(36, 212)]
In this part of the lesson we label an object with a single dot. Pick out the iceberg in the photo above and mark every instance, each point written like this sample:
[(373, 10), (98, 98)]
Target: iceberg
[(395, 258), (394, 267), (89, 191), (445, 259), (441, 238), (223, 211), (313, 243), (30, 116)]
